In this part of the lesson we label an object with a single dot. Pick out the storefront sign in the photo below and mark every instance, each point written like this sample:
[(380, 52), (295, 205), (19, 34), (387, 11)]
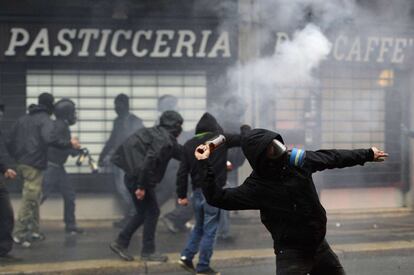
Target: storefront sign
[(126, 44), (368, 49)]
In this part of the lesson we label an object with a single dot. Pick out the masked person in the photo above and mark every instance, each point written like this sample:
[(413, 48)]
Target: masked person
[(207, 217), (6, 209), (125, 124), (28, 143), (55, 174), (144, 157), (281, 187), (176, 219)]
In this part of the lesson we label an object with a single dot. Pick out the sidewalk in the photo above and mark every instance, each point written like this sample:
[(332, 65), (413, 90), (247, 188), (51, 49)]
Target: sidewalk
[(348, 232)]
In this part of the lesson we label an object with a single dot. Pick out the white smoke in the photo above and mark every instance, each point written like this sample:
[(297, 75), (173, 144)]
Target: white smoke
[(293, 62)]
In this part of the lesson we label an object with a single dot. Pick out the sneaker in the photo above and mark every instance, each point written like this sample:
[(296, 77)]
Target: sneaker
[(154, 257), (22, 242), (37, 237), (187, 264), (208, 271), (189, 225), (74, 230), (121, 251), (170, 225)]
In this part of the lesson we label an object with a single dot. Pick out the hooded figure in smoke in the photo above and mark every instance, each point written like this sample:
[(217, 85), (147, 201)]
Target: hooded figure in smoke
[(144, 157), (125, 124), (29, 140), (55, 174), (176, 219), (281, 187)]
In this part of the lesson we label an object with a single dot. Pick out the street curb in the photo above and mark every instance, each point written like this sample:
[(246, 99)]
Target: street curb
[(221, 258), (113, 266), (369, 213)]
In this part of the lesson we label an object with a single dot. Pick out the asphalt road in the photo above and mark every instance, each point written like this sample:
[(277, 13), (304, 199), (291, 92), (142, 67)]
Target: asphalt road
[(369, 264), (366, 244)]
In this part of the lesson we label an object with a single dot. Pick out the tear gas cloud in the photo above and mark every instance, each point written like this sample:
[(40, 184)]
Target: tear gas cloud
[(311, 24)]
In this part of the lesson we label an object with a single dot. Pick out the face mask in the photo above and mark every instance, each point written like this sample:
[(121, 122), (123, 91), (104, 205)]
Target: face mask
[(72, 120), (278, 155), (177, 131)]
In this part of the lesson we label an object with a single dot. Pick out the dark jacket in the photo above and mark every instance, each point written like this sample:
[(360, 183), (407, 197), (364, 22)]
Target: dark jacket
[(123, 127), (57, 155), (31, 136), (288, 202), (206, 129), (146, 153), (4, 155)]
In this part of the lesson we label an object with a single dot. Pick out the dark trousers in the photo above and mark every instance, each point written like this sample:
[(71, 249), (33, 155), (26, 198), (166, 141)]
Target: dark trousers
[(56, 176), (6, 221), (297, 262), (147, 213)]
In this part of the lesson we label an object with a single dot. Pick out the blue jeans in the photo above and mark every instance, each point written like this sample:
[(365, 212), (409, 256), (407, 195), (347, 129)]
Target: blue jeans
[(203, 235)]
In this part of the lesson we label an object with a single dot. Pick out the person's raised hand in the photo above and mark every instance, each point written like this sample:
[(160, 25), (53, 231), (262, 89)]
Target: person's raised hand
[(379, 155), (202, 152)]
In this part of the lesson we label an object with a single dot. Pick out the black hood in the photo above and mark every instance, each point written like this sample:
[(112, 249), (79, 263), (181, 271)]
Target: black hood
[(33, 108), (208, 123), (254, 144), (172, 121)]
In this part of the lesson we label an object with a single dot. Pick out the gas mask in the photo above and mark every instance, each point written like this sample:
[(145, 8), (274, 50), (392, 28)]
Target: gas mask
[(65, 110), (278, 155), (176, 130)]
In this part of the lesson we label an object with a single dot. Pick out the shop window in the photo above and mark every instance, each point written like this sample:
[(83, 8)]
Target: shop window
[(353, 110), (94, 91)]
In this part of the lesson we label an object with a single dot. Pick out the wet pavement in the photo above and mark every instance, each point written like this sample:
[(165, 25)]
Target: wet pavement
[(359, 238)]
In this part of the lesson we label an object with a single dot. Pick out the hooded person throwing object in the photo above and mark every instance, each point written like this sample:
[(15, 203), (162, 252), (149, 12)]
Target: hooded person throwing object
[(144, 157), (281, 187)]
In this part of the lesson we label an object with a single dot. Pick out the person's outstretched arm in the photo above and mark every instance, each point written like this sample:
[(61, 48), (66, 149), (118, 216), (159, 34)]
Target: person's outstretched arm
[(330, 159), (239, 198)]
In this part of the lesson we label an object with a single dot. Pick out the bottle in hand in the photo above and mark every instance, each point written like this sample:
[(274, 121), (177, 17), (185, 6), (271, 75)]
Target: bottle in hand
[(213, 143)]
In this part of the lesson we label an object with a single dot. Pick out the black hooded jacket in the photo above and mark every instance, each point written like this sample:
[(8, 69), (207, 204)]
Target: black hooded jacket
[(288, 202), (206, 128), (31, 136), (59, 156), (144, 155), (4, 155)]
